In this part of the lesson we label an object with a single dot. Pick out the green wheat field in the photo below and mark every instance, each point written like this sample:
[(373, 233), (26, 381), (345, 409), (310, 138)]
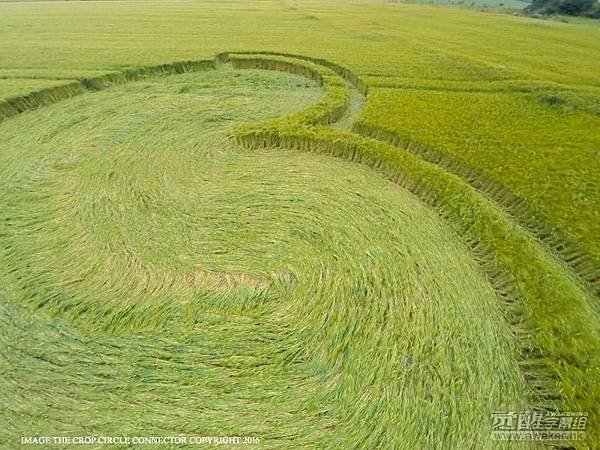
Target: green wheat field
[(310, 224)]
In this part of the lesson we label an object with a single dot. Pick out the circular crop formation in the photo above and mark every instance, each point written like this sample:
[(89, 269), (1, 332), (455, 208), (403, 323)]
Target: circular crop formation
[(171, 262)]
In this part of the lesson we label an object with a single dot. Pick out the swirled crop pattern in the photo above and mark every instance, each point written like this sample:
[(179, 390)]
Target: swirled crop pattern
[(157, 275)]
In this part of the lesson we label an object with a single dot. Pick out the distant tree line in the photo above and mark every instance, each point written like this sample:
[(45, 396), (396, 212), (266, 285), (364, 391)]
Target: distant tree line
[(588, 8)]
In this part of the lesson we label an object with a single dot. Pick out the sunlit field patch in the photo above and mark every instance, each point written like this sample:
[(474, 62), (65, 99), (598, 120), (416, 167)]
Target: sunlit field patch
[(549, 161)]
